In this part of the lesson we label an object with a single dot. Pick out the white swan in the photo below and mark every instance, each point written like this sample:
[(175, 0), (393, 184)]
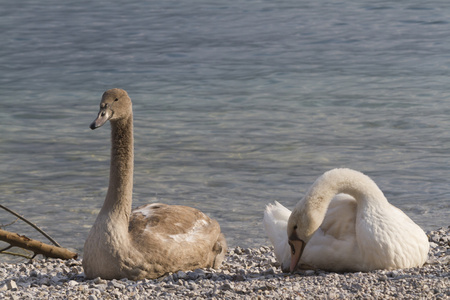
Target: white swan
[(151, 240), (345, 223)]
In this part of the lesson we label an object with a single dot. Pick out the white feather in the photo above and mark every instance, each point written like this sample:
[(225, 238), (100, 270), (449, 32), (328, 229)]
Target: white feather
[(275, 223)]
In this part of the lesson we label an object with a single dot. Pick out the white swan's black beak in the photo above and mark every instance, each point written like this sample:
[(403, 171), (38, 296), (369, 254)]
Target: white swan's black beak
[(103, 115), (297, 246)]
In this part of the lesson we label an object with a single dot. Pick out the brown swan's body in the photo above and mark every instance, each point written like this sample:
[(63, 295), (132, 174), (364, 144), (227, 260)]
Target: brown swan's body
[(153, 239)]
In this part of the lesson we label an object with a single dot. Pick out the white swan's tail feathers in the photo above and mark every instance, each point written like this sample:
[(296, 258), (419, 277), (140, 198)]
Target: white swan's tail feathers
[(275, 221), (278, 211), (275, 225)]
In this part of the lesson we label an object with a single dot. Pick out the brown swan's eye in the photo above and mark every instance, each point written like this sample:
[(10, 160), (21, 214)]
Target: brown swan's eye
[(116, 99)]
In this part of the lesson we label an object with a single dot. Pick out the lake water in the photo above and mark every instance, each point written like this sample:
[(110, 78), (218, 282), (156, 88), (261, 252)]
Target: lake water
[(236, 104)]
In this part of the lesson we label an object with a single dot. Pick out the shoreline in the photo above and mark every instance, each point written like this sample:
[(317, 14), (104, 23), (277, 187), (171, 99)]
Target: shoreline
[(251, 273)]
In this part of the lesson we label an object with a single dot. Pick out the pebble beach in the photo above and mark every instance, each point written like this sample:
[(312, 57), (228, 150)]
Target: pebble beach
[(247, 273)]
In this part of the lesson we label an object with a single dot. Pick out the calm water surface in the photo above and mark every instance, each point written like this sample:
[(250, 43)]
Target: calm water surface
[(235, 105)]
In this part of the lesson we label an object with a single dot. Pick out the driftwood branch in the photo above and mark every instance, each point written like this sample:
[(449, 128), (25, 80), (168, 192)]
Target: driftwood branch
[(37, 247), (31, 224)]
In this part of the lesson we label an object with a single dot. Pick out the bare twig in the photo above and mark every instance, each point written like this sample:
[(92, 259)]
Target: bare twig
[(32, 225), (9, 224), (17, 254), (7, 248)]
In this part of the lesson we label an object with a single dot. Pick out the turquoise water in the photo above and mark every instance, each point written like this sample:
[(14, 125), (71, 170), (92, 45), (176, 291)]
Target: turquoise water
[(235, 105)]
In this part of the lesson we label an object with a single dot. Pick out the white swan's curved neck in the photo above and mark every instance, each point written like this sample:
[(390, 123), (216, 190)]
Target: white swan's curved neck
[(119, 197), (355, 184)]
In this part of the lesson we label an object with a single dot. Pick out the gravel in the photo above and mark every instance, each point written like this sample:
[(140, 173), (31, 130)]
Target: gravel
[(246, 274)]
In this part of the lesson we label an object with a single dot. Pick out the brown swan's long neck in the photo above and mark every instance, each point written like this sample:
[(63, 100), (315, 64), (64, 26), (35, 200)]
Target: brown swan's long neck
[(119, 197)]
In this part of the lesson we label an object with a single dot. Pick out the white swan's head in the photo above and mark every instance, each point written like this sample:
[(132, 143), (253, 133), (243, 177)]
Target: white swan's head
[(115, 105), (301, 226)]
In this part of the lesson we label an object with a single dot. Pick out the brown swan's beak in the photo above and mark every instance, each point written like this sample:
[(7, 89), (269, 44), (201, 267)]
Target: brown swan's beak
[(103, 115), (297, 247)]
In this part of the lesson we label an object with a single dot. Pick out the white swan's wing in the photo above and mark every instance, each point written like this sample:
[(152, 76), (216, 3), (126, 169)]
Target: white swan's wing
[(393, 242), (275, 225), (411, 239), (334, 246), (343, 242)]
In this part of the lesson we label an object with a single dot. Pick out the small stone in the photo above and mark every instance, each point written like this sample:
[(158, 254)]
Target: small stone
[(101, 287), (76, 270), (192, 276), (169, 278), (56, 279), (96, 291), (72, 283), (114, 283), (92, 297), (393, 274), (214, 277), (98, 280), (239, 277), (181, 275), (226, 287), (200, 272), (435, 238), (12, 286), (269, 271)]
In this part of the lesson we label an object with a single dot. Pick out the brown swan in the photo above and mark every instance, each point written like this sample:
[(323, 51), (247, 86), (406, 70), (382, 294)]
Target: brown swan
[(151, 240)]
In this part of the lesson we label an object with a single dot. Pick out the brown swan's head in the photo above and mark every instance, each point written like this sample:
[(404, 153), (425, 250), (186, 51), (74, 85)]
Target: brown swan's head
[(115, 105)]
